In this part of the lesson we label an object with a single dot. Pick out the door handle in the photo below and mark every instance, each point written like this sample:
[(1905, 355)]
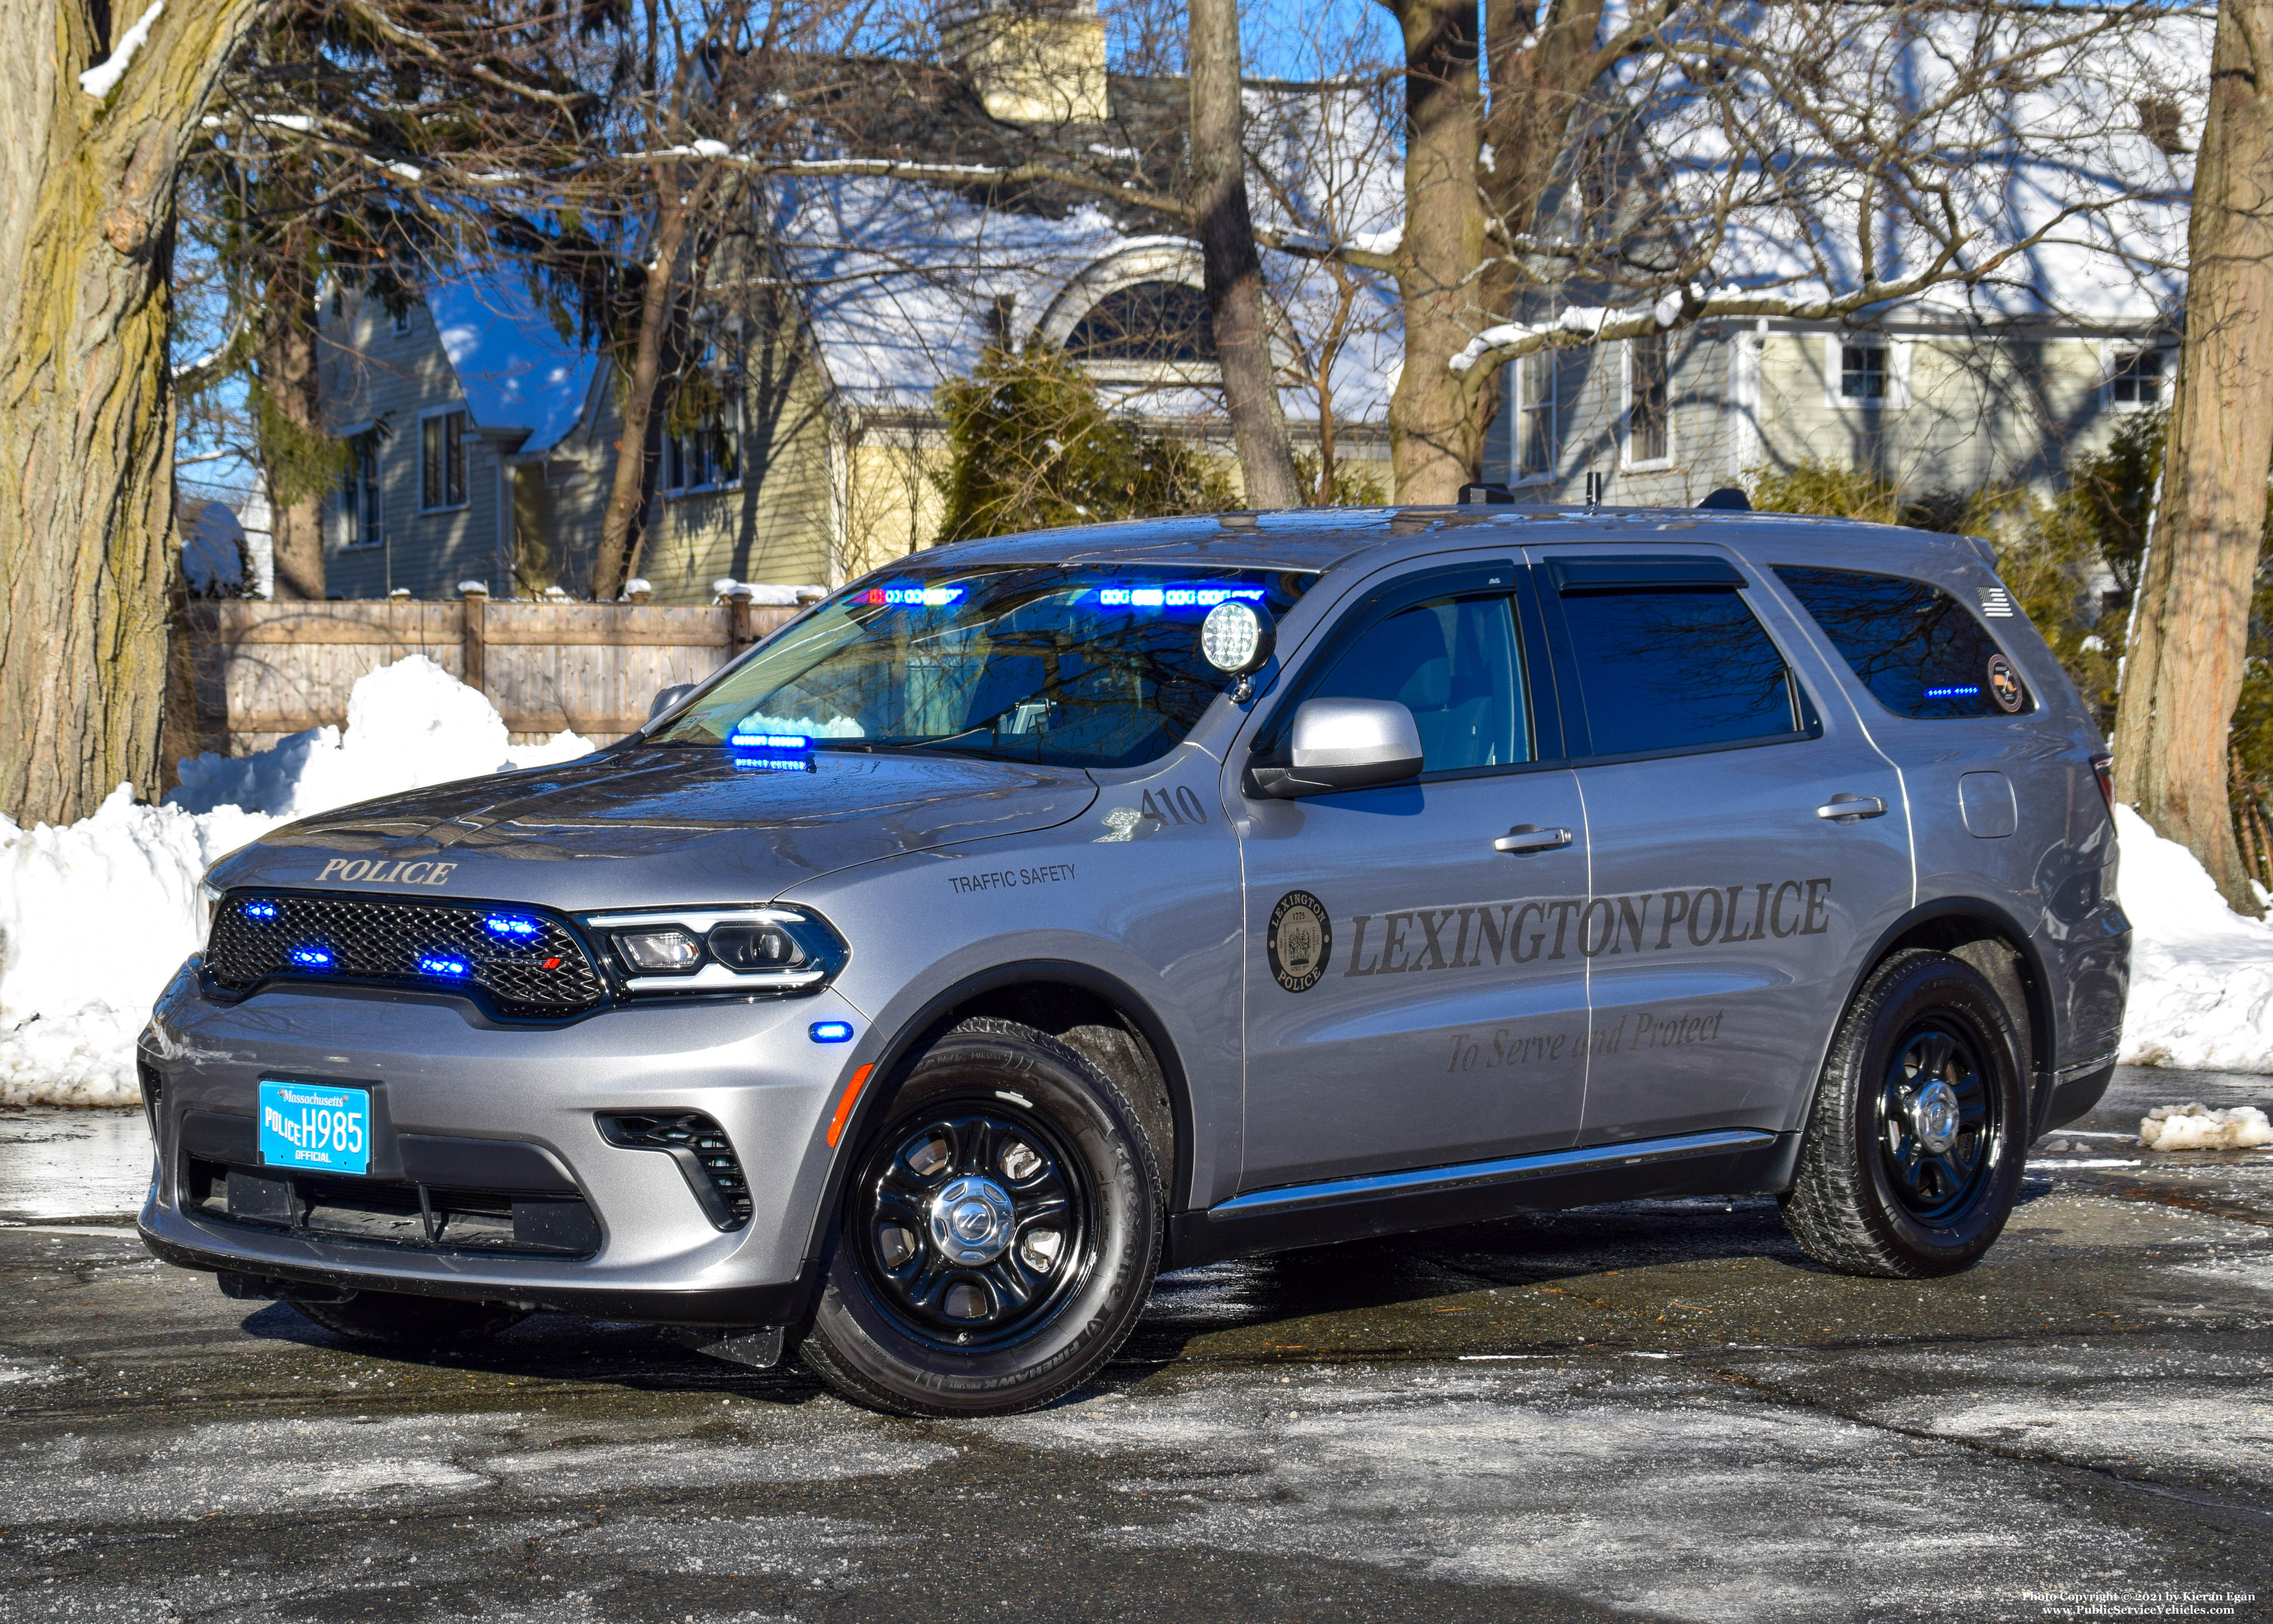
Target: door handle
[(1845, 809), (1531, 837)]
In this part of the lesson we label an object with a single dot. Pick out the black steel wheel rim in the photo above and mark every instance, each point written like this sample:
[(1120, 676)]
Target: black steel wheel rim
[(1011, 1183), (1937, 1121)]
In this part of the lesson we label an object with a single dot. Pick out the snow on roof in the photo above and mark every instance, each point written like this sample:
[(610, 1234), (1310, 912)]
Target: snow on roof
[(515, 367), (2051, 139), (900, 280)]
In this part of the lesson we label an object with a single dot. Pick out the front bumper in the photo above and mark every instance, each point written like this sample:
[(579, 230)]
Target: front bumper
[(434, 1067)]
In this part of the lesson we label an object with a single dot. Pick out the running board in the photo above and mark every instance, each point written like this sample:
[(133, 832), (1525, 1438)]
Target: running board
[(1482, 1175), (1727, 1161)]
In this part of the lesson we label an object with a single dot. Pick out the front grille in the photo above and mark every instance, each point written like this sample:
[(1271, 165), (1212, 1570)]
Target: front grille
[(705, 1156), (523, 962)]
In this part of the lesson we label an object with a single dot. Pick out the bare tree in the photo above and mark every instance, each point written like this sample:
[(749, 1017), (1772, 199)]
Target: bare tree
[(1237, 299), (98, 109), (2190, 625)]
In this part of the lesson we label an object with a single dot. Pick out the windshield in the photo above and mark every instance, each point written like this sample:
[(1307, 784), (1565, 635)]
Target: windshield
[(1077, 666)]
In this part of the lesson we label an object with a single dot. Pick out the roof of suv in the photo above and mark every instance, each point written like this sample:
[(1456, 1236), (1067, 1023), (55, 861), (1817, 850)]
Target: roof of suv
[(1319, 538)]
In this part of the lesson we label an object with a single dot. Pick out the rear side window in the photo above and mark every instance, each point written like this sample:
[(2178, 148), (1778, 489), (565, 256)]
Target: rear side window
[(1670, 667), (1919, 650)]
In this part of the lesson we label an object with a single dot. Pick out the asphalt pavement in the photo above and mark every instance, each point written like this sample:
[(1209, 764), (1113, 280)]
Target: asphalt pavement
[(1657, 1410)]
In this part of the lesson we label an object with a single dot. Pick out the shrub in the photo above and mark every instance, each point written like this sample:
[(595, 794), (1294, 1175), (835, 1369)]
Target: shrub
[(1032, 445)]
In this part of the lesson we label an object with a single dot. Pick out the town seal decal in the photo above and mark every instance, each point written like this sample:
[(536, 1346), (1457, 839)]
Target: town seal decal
[(2005, 685), (1300, 942)]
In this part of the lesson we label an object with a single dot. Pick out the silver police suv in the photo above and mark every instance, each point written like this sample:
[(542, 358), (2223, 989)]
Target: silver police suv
[(1040, 913)]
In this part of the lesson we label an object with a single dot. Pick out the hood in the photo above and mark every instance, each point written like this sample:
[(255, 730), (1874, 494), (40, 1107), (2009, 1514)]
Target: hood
[(640, 827)]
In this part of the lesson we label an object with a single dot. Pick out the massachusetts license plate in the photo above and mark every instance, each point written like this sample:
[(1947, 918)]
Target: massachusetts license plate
[(312, 1126)]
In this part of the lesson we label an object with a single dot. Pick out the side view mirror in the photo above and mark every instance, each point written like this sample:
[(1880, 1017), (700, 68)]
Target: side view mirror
[(666, 697), (1342, 744)]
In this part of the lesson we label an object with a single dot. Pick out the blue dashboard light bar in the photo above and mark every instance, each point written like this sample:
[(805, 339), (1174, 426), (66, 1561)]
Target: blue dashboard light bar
[(261, 912), (312, 958), (1177, 595), (444, 964), (512, 927), (768, 742), (1965, 692), (831, 1031), (920, 597)]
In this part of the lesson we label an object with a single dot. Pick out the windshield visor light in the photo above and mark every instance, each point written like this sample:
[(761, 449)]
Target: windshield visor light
[(924, 596), (831, 1031), (659, 953), (755, 947), (1237, 638)]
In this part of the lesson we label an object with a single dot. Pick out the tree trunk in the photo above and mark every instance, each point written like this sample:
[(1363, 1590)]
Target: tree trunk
[(1436, 429), (86, 219), (627, 500), (288, 377), (1238, 302), (2190, 628)]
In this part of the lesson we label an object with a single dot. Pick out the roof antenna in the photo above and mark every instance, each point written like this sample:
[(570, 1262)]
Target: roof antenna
[(1593, 494)]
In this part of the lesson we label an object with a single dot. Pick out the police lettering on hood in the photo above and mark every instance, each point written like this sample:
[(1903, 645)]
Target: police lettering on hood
[(1471, 935)]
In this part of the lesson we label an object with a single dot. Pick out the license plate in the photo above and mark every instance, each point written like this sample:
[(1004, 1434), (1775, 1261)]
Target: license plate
[(311, 1125)]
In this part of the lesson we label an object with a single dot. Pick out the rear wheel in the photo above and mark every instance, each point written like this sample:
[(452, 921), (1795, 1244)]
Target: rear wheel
[(1912, 1159), (398, 1319), (997, 1237)]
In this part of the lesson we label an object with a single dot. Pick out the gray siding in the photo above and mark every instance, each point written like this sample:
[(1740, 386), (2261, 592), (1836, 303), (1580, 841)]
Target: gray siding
[(1968, 411)]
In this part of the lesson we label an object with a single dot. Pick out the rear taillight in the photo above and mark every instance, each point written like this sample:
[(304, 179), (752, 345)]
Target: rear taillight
[(2102, 768)]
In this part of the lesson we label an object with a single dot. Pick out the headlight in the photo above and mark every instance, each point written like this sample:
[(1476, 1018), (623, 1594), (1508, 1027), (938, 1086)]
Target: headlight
[(663, 951), (209, 897), (771, 949)]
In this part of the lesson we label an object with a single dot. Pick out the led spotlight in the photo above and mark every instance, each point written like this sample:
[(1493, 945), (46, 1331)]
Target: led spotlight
[(831, 1031)]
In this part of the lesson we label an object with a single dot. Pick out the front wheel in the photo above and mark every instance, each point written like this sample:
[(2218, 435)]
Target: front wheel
[(1912, 1158), (997, 1237)]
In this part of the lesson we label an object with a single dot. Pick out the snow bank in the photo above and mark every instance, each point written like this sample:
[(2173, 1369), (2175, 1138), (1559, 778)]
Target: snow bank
[(94, 917), (2202, 976), (2197, 1127)]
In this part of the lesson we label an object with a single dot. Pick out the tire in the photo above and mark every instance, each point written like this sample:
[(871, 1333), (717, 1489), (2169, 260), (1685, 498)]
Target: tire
[(398, 1319), (1897, 1179), (997, 1234)]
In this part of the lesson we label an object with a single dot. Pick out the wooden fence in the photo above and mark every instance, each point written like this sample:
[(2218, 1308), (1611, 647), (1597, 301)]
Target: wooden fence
[(263, 670)]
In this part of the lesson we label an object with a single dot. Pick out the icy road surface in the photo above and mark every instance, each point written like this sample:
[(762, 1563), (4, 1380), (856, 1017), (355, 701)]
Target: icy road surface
[(1657, 1410)]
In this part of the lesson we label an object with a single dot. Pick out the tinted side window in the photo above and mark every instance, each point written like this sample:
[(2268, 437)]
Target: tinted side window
[(1663, 668), (1919, 651), (1453, 663)]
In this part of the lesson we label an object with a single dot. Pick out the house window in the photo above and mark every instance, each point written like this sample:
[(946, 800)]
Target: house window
[(1861, 370), (1649, 401), (442, 460), (2136, 377), (363, 504), (1155, 321), (1534, 415), (402, 321), (707, 453)]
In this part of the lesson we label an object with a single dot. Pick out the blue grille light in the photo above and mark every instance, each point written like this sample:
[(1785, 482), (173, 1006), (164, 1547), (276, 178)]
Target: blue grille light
[(260, 912), (512, 927), (312, 958), (442, 963), (831, 1031)]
